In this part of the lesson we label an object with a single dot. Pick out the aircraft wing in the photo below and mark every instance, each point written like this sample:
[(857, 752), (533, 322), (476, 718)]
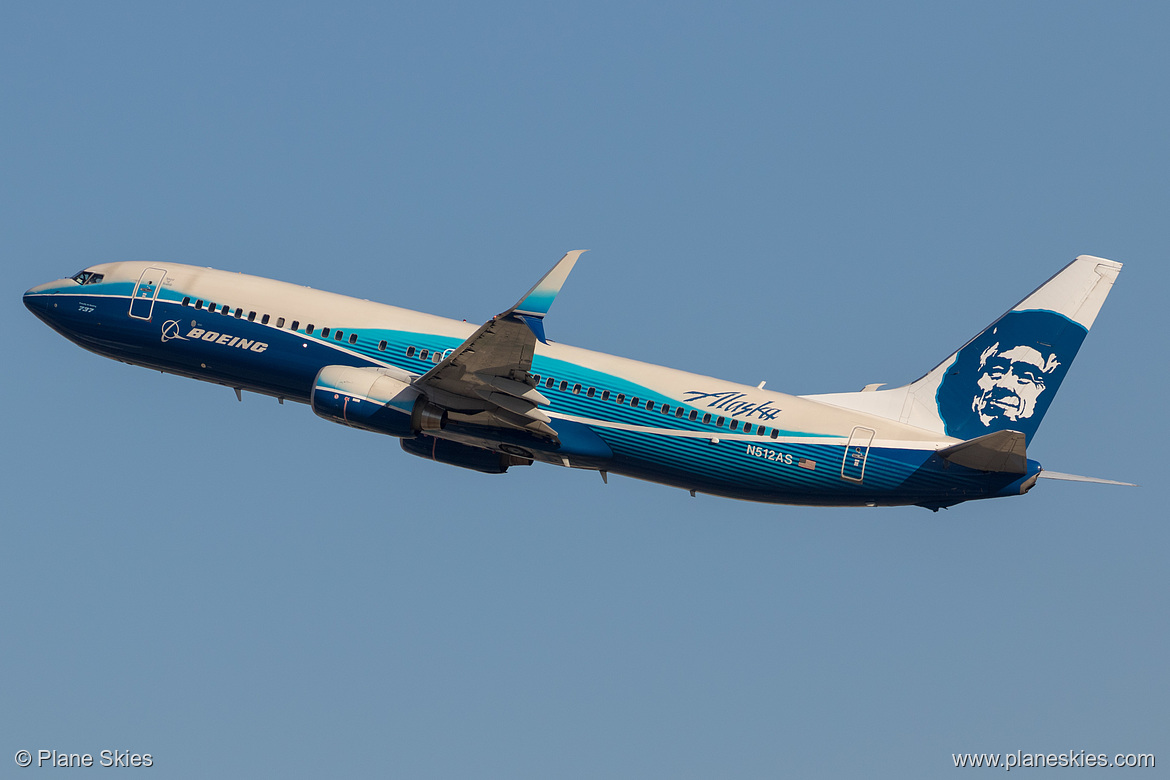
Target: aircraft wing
[(490, 369)]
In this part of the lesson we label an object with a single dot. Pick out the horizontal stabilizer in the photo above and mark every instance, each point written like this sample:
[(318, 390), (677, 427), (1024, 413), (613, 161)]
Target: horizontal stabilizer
[(1076, 478), (1002, 451)]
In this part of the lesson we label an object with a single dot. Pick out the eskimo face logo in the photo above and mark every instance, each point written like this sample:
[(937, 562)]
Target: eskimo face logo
[(1010, 382), (1005, 377), (170, 330)]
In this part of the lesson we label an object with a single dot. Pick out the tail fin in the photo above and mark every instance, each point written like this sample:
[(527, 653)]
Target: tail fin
[(1005, 377)]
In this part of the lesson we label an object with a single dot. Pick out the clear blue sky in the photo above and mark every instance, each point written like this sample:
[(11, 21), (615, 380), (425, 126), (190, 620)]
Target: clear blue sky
[(820, 195)]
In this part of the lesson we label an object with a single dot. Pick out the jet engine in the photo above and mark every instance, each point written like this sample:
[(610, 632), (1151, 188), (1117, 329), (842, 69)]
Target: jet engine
[(464, 455), (374, 399)]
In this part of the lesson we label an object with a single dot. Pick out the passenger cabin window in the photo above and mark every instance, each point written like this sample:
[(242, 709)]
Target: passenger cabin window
[(199, 304), (279, 322), (424, 354), (694, 414), (296, 325), (679, 412), (775, 433), (309, 329), (410, 351), (264, 320), (577, 389), (719, 422), (707, 419), (549, 382), (564, 385), (536, 379), (633, 400), (650, 406), (437, 357), (381, 346), (747, 427), (590, 392), (324, 333), (251, 316), (604, 395), (621, 398), (353, 338), (239, 312), (666, 408), (337, 336), (735, 425), (186, 299)]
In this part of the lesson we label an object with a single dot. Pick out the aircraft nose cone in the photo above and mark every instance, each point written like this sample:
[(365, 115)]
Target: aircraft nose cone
[(32, 302), (37, 302)]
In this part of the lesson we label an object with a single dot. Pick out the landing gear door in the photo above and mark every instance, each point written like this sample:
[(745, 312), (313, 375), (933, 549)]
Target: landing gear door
[(145, 292), (856, 453)]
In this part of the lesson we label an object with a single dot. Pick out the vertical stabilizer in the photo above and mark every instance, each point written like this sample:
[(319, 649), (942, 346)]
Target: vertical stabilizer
[(1005, 377)]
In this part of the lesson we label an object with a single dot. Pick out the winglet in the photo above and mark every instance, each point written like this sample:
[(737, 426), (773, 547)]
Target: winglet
[(535, 304)]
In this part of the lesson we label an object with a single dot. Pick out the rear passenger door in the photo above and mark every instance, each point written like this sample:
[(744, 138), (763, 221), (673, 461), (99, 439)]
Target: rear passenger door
[(856, 454)]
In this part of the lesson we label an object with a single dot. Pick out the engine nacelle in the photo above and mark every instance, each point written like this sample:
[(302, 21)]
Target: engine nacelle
[(465, 456), (374, 399)]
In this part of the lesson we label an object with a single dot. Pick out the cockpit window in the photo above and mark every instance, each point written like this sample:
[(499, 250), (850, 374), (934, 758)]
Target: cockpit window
[(87, 277)]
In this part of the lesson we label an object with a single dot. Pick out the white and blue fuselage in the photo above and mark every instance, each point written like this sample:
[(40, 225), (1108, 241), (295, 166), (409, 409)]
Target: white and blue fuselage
[(556, 403)]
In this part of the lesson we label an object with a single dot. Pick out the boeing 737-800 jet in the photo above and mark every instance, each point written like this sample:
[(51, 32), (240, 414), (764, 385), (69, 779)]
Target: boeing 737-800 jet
[(503, 395)]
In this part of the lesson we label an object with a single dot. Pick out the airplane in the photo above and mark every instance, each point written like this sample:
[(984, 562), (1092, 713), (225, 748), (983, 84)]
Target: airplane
[(504, 395)]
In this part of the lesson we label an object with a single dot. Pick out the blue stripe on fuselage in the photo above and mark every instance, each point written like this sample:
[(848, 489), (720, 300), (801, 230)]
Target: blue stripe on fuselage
[(175, 339)]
